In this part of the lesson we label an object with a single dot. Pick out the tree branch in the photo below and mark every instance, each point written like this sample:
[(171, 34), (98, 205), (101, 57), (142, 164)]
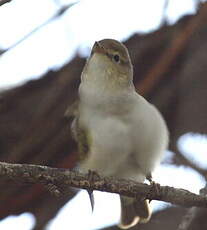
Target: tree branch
[(59, 13), (159, 69), (64, 179), (191, 214), (186, 161), (187, 219), (2, 2)]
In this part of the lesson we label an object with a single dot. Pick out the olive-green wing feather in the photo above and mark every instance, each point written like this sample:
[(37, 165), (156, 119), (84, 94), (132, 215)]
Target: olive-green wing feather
[(72, 110), (81, 137)]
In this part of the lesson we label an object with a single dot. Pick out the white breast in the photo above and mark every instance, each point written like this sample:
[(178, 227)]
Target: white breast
[(129, 136)]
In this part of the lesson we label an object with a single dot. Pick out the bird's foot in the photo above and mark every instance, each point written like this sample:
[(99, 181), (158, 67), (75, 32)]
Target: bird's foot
[(149, 178), (155, 187)]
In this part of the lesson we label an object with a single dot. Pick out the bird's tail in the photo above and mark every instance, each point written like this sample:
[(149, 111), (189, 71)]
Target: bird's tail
[(133, 211)]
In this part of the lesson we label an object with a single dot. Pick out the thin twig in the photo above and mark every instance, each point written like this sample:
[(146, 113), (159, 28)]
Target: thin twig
[(65, 178), (60, 12), (164, 13), (185, 161), (2, 2)]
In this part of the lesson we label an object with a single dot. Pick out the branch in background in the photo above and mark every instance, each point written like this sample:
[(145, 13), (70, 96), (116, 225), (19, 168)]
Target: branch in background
[(61, 179), (158, 70), (2, 2), (191, 214), (185, 161), (187, 219), (59, 13), (164, 13)]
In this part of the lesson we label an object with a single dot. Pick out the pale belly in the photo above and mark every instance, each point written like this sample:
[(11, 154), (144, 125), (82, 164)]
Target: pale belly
[(123, 149), (127, 145), (110, 145)]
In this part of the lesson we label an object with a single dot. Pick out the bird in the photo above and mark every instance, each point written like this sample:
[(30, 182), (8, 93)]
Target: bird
[(119, 133)]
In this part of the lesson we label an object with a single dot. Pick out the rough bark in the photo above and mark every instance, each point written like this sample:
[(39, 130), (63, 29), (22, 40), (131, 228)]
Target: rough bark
[(60, 179)]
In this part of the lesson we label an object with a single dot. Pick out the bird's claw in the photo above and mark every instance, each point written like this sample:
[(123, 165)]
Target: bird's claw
[(149, 178), (91, 176), (91, 197), (154, 186)]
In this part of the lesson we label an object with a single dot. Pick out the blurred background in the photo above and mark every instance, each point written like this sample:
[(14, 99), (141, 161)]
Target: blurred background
[(43, 48)]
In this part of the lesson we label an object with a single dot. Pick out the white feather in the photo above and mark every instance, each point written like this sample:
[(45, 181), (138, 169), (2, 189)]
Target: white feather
[(129, 135)]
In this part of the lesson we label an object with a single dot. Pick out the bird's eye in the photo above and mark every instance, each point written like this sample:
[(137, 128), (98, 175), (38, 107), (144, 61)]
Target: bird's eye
[(116, 58)]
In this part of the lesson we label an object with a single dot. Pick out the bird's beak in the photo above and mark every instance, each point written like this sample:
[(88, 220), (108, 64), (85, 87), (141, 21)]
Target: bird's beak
[(98, 48)]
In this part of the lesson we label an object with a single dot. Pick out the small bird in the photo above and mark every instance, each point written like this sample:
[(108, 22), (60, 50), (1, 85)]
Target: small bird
[(118, 132)]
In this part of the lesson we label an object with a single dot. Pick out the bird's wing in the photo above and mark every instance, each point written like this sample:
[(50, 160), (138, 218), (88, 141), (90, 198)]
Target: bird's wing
[(72, 110), (80, 136)]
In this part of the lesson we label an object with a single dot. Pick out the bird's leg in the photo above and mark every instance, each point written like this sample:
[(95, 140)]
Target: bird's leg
[(154, 186), (149, 178), (91, 176)]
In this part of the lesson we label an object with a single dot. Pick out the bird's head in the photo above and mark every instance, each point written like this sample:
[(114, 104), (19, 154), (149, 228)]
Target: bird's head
[(109, 64)]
